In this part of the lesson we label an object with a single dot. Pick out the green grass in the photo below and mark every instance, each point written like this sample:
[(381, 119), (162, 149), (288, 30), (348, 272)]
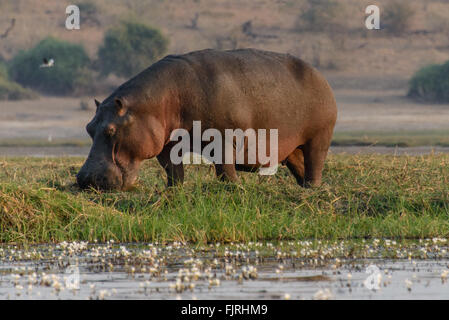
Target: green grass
[(351, 138), (369, 196), (392, 138)]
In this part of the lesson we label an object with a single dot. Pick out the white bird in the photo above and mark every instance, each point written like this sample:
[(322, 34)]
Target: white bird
[(47, 63)]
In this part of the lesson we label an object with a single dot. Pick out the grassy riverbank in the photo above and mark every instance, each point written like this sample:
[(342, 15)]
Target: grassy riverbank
[(341, 138), (362, 196), (392, 138)]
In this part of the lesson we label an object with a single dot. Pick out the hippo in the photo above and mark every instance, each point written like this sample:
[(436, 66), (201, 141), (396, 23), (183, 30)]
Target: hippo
[(244, 88)]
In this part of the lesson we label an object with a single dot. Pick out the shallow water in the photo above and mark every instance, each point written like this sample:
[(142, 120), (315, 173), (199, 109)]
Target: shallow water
[(299, 270)]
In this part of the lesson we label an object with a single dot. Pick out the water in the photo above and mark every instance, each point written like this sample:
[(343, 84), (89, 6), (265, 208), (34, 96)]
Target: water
[(294, 270)]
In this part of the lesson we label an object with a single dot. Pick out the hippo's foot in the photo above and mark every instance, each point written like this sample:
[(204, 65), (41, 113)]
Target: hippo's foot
[(175, 172), (226, 172)]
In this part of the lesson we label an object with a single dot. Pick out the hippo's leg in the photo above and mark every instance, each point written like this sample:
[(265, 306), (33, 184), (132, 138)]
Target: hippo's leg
[(226, 172), (175, 172), (315, 152), (295, 163)]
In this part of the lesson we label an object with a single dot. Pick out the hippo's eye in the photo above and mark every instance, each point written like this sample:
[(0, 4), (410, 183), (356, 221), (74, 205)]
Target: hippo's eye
[(110, 130)]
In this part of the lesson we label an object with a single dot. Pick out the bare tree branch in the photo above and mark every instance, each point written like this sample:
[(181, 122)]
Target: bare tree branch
[(5, 34)]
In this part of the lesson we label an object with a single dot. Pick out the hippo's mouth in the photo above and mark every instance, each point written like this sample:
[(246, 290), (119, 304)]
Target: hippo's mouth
[(129, 177), (104, 177)]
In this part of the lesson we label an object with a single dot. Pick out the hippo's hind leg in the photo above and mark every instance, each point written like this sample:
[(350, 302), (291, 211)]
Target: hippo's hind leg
[(226, 172), (315, 152), (175, 172), (295, 163)]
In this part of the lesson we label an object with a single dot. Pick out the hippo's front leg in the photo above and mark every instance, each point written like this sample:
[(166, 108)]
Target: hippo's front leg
[(175, 172)]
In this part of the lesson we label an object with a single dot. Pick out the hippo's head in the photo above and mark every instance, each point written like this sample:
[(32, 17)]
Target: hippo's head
[(123, 135)]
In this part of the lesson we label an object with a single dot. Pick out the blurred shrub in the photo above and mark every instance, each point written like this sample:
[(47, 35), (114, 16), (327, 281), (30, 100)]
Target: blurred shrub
[(13, 91), (130, 48), (3, 69), (70, 73), (321, 15), (89, 13), (397, 17), (84, 105), (10, 90), (431, 83)]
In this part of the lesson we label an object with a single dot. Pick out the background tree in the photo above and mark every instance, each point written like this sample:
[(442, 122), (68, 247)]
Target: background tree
[(431, 83), (130, 48), (70, 73), (398, 17)]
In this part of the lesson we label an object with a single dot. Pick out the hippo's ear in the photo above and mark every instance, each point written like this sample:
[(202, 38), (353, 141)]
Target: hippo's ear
[(97, 103), (120, 106)]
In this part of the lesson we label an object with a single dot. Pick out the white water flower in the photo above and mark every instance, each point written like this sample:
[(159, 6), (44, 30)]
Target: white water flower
[(408, 284), (325, 294)]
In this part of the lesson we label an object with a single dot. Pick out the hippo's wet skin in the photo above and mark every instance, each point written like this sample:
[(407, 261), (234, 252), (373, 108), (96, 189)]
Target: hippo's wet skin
[(224, 90)]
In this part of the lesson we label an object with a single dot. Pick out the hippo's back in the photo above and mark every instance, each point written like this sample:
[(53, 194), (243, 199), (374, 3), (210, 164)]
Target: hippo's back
[(251, 88), (245, 66)]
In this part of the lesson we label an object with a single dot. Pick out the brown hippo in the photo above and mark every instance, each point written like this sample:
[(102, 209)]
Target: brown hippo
[(243, 89)]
